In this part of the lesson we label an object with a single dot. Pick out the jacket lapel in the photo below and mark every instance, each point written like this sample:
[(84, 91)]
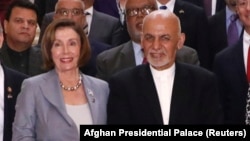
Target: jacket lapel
[(179, 96), (92, 101), (127, 55), (149, 90), (50, 89)]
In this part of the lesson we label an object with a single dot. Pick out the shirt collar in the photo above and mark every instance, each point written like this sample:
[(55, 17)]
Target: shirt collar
[(89, 10), (167, 72), (170, 5), (246, 38), (229, 13)]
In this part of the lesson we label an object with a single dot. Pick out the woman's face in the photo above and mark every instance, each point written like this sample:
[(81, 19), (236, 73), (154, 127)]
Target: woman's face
[(66, 49)]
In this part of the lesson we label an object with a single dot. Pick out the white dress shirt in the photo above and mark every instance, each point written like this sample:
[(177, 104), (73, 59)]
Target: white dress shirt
[(137, 53), (170, 5), (164, 81), (213, 10), (89, 16), (80, 114), (246, 44)]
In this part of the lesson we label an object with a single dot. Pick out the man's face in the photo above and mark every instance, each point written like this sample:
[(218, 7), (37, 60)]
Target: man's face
[(21, 26), (161, 38), (136, 10), (243, 10), (71, 9)]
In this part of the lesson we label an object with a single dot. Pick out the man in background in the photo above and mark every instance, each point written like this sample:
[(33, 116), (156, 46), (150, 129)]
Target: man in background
[(163, 91), (130, 54), (10, 85), (20, 29)]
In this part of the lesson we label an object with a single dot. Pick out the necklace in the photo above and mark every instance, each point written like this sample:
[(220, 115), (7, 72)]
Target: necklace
[(74, 87)]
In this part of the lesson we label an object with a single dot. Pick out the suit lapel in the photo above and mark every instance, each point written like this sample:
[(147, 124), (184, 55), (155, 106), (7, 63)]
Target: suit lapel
[(127, 55), (90, 94), (52, 91), (179, 98), (147, 86), (239, 63), (94, 28), (178, 9)]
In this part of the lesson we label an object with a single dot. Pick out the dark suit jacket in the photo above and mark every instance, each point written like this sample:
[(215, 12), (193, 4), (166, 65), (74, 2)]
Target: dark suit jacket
[(12, 86), (195, 25), (110, 7), (230, 70), (134, 99), (35, 60), (121, 57), (104, 28), (196, 2), (220, 4), (44, 6), (217, 32), (107, 6), (96, 48)]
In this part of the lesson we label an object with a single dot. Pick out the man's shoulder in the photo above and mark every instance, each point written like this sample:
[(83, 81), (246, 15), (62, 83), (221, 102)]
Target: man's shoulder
[(106, 17), (193, 69), (13, 73), (113, 52)]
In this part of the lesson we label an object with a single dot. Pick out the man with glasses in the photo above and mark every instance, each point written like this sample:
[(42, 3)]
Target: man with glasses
[(232, 67), (130, 54), (74, 10), (101, 27), (163, 92)]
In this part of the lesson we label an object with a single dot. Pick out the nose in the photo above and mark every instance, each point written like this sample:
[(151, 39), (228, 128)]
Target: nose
[(65, 49), (156, 44), (25, 24), (70, 16), (248, 5)]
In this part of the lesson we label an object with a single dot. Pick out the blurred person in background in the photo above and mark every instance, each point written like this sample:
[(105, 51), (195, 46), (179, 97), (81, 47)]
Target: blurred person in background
[(20, 26)]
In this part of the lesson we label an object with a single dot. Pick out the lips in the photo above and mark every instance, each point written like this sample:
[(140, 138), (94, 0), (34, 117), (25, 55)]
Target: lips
[(24, 33), (66, 60)]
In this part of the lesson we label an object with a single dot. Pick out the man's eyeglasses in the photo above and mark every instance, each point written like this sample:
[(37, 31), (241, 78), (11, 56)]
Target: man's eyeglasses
[(135, 11), (74, 12)]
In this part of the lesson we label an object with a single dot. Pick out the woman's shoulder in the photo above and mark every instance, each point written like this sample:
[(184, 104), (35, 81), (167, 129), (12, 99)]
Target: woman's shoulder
[(37, 79), (94, 80)]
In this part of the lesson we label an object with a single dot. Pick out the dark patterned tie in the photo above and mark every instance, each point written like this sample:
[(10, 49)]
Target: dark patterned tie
[(232, 33), (248, 94)]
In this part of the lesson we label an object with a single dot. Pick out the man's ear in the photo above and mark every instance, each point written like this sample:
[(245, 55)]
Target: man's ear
[(181, 41), (5, 24)]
